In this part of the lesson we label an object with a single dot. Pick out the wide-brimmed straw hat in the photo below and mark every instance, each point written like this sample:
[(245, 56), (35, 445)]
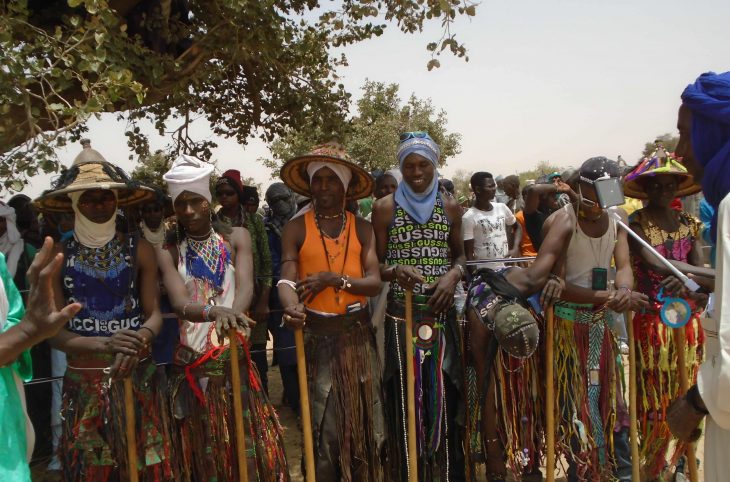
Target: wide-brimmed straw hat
[(91, 171), (659, 163), (294, 172)]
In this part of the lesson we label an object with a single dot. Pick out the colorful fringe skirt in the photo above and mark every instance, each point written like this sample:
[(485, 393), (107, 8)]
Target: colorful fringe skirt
[(94, 446), (518, 405), (658, 384), (346, 398), (588, 389), (204, 435), (439, 388)]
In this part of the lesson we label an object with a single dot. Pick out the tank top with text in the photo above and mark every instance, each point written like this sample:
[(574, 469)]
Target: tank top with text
[(423, 246), (104, 281)]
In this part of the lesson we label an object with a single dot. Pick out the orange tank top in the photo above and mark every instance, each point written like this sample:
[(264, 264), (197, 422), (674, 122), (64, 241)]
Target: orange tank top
[(342, 256)]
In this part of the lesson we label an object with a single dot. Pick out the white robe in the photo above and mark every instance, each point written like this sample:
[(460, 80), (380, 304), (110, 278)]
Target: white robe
[(713, 379)]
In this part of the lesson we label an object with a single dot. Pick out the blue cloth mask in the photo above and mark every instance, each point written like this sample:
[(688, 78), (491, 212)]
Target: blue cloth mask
[(709, 100), (418, 205)]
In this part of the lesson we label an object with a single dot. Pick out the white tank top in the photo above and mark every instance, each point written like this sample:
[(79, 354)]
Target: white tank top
[(586, 253)]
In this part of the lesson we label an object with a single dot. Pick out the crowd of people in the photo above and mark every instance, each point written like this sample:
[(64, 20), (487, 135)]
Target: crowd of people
[(150, 287)]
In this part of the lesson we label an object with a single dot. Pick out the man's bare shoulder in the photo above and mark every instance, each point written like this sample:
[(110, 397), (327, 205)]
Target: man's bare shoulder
[(383, 210), (385, 203)]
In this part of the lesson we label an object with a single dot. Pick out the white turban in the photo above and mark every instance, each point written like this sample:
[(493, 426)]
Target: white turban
[(342, 172), (11, 245), (189, 174)]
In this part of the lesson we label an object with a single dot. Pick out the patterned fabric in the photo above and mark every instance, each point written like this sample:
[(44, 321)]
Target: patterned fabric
[(423, 246), (103, 280), (93, 446), (657, 379), (676, 246)]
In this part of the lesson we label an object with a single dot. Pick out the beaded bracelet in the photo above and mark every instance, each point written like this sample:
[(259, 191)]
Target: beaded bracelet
[(206, 312)]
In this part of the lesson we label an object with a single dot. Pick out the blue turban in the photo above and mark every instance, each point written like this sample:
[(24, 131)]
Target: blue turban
[(709, 100), (418, 205)]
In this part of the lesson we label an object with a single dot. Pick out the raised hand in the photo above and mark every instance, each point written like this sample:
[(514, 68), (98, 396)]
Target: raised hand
[(43, 319)]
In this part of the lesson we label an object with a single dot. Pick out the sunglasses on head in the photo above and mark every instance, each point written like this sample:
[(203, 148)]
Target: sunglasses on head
[(413, 135)]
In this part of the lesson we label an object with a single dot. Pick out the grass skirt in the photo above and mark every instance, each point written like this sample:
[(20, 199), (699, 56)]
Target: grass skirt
[(588, 389), (94, 446), (201, 402), (346, 398), (658, 384)]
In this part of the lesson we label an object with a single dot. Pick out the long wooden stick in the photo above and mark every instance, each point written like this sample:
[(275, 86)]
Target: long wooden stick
[(238, 408), (410, 391), (304, 406), (679, 345), (129, 420), (633, 413), (550, 385)]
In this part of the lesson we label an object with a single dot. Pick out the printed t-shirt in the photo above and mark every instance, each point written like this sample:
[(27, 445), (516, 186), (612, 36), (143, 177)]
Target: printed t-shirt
[(488, 229)]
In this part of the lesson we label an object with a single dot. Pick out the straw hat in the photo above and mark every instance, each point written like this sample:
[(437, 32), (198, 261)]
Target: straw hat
[(294, 172), (91, 171), (659, 163)]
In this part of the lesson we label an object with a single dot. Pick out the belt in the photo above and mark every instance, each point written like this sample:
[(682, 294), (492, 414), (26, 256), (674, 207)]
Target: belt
[(323, 325), (579, 313)]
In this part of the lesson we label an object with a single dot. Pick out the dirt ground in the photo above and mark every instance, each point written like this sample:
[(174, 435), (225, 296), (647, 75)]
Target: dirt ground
[(293, 439)]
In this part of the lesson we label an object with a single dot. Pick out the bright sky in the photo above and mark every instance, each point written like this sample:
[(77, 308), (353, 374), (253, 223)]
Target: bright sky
[(558, 80)]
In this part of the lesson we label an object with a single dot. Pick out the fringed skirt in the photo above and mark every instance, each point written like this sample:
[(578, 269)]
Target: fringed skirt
[(201, 402), (588, 388), (439, 403), (346, 399), (518, 405), (94, 445), (658, 383)]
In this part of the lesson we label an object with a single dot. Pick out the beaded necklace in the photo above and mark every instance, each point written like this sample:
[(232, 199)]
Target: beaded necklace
[(332, 257), (207, 260)]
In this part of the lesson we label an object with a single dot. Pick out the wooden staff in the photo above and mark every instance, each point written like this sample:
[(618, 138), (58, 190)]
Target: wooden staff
[(410, 391), (131, 435), (304, 405), (238, 407), (550, 382), (634, 427), (679, 345)]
